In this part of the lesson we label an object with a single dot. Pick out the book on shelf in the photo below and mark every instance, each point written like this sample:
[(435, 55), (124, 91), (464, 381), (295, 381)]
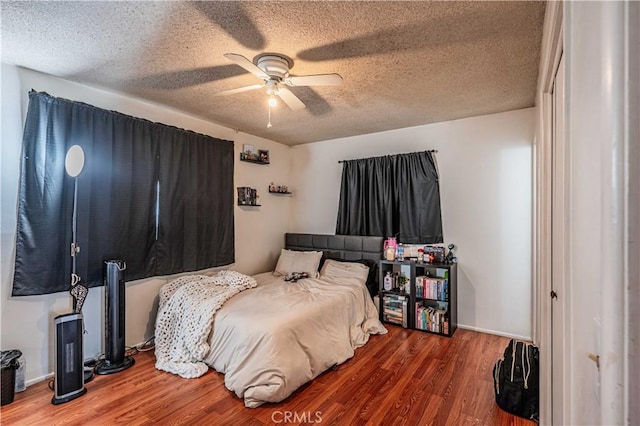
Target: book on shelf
[(431, 318), (405, 319), (394, 309), (392, 321), (397, 297), (432, 288)]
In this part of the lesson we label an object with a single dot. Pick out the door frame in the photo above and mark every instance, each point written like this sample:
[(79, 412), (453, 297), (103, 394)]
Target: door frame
[(632, 224), (619, 347), (551, 53)]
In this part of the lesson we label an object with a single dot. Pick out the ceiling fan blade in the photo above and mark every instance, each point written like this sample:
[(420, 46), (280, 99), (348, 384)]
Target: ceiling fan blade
[(247, 65), (239, 90), (314, 80), (234, 20), (438, 30), (290, 99), (187, 78), (314, 103)]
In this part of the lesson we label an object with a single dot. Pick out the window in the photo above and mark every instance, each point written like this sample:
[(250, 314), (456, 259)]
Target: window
[(158, 197), (394, 195)]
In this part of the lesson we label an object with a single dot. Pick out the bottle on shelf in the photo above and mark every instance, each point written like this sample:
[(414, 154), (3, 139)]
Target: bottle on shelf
[(400, 253), (390, 248), (420, 255), (388, 281)]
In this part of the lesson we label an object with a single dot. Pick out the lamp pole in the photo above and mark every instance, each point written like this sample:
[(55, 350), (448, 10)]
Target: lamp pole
[(74, 163), (74, 244)]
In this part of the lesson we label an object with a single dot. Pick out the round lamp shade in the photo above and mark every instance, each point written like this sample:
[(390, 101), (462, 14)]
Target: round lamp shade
[(74, 161)]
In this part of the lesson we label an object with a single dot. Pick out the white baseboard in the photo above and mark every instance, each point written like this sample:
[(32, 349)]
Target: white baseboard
[(49, 376), (497, 333), (30, 382)]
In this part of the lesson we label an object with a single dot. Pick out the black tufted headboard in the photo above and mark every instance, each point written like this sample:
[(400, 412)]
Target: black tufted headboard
[(366, 250), (340, 247)]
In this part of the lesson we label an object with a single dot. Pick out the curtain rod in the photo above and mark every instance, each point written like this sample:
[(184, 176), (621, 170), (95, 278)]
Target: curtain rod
[(342, 161)]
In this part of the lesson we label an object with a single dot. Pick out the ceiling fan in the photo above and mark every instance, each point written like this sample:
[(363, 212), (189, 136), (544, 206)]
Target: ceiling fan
[(273, 69)]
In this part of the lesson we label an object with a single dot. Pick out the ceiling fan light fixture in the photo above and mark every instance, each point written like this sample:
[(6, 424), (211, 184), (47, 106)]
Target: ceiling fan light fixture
[(273, 70), (272, 87)]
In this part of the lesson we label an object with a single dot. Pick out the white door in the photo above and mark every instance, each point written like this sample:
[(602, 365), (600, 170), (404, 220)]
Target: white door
[(559, 252)]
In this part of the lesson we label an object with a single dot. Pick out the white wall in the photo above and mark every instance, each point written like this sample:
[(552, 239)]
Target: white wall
[(485, 169), (26, 322)]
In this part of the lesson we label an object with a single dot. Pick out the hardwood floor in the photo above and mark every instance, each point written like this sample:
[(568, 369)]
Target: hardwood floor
[(405, 377)]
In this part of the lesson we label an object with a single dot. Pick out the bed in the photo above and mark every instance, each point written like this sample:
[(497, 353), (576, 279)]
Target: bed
[(271, 339)]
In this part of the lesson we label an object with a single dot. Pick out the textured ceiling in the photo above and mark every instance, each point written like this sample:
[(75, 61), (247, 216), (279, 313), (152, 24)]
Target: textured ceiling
[(403, 63)]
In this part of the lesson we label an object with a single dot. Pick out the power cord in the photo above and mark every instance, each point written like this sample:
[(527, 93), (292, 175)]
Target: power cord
[(149, 345)]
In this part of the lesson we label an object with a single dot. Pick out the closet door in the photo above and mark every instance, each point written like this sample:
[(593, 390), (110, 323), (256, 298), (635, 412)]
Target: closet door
[(559, 247)]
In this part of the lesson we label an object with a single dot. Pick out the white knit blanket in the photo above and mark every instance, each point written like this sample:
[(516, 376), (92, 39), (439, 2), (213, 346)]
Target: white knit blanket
[(185, 319)]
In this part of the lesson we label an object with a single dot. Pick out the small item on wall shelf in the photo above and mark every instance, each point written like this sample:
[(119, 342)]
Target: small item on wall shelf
[(278, 189), (249, 155), (247, 196)]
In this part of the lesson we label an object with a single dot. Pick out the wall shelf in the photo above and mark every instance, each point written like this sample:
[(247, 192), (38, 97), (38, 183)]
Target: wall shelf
[(261, 157), (278, 189), (247, 160), (247, 196)]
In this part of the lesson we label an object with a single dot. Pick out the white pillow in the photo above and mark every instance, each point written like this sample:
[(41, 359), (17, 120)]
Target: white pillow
[(336, 270), (298, 261)]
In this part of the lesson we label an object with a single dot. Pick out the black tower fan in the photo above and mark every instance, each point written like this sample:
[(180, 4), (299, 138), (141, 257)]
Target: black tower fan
[(115, 359)]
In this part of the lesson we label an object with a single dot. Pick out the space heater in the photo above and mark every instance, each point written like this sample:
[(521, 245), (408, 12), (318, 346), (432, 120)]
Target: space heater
[(114, 354), (68, 362)]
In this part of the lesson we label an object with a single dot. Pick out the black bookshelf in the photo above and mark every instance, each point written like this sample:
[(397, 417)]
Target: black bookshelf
[(442, 277)]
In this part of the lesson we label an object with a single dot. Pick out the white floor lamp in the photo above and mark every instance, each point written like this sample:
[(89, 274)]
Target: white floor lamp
[(73, 164)]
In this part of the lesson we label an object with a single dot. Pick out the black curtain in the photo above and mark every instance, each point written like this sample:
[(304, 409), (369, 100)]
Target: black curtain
[(394, 195), (196, 226), (117, 195), (116, 192)]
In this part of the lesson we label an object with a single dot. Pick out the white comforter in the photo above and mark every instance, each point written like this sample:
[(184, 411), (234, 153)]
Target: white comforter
[(270, 340), (185, 317)]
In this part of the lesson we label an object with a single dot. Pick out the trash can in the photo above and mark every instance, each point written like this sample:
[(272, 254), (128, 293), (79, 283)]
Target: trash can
[(20, 371), (8, 366)]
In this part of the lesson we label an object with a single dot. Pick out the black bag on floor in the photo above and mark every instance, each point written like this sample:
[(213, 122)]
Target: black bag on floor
[(516, 380)]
